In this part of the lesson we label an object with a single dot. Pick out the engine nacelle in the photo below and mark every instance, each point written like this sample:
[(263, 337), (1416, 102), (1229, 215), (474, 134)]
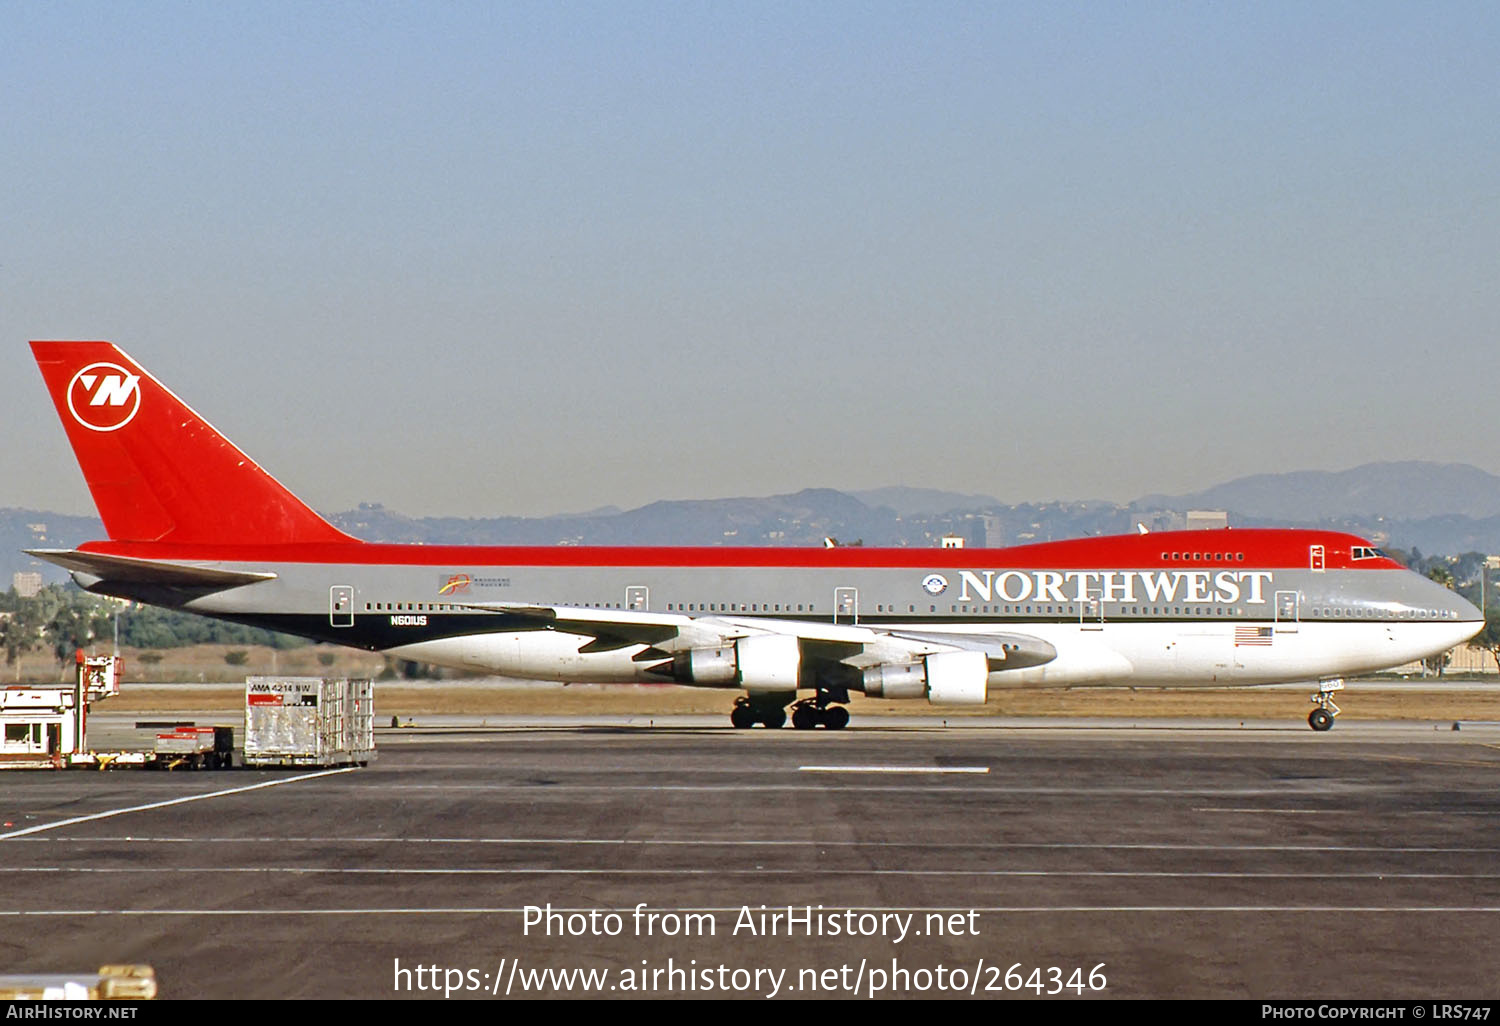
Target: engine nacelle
[(770, 662), (957, 678), (946, 678), (707, 667), (892, 680)]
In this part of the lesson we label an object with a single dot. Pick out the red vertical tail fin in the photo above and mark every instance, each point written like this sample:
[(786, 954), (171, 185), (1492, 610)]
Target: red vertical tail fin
[(157, 470)]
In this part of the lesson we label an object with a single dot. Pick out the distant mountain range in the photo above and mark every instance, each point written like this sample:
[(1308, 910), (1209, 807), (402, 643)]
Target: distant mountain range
[(31, 529), (1412, 490), (908, 502), (1437, 507), (802, 518)]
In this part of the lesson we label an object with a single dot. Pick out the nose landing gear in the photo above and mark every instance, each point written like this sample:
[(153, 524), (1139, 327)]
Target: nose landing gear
[(1321, 718)]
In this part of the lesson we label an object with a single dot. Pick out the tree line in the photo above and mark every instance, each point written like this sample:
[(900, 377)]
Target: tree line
[(1465, 574), (62, 618)]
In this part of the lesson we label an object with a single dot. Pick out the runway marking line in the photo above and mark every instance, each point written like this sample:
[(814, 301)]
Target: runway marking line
[(1393, 757), (172, 801), (1344, 811), (1272, 812), (786, 842), (912, 782), (892, 769), (760, 871), (627, 842)]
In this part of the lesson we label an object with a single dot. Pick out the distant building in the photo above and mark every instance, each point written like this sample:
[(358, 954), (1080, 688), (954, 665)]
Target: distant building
[(1207, 520), (27, 583), (994, 532), (972, 531), (951, 541)]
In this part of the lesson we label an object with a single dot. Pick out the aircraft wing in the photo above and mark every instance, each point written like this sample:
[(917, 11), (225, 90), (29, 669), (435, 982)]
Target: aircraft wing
[(1005, 650), (619, 628), (851, 644)]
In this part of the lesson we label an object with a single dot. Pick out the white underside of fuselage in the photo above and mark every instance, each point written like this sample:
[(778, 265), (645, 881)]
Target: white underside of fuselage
[(1112, 654)]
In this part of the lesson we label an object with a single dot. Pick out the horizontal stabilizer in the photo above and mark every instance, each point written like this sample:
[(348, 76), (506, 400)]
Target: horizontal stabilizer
[(125, 570)]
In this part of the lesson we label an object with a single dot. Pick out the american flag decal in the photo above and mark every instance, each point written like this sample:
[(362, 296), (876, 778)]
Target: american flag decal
[(1252, 636)]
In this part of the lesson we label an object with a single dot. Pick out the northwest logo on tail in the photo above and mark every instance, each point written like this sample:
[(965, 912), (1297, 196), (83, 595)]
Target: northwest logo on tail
[(104, 396)]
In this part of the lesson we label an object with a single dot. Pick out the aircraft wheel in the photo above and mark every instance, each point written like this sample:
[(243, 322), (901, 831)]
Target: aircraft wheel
[(804, 717), (742, 716), (774, 718), (1320, 719), (835, 717)]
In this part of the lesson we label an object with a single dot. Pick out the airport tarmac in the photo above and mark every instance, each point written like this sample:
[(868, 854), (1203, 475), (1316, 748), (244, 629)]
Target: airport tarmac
[(1173, 859)]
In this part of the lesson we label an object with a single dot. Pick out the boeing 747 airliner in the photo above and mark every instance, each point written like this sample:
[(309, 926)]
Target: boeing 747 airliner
[(194, 524)]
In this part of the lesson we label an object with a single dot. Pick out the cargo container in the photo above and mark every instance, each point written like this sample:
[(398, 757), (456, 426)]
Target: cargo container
[(309, 721)]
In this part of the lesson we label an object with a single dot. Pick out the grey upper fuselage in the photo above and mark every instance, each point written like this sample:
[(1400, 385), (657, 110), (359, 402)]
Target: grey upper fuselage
[(395, 594)]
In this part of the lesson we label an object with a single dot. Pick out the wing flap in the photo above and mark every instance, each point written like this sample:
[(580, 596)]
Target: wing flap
[(611, 629), (1005, 651)]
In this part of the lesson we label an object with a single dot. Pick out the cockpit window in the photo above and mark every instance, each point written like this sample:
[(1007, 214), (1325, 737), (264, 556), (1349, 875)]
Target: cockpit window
[(1368, 552)]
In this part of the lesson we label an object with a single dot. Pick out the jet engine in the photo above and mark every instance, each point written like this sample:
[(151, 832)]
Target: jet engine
[(770, 662), (946, 678)]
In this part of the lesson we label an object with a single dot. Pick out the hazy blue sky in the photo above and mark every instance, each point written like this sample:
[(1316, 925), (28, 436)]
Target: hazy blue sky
[(491, 258)]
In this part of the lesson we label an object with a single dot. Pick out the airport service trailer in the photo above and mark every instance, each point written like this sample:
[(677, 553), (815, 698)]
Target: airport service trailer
[(46, 727), (309, 721), (194, 746)]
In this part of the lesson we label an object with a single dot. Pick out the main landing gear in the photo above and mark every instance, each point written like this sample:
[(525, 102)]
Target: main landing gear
[(1321, 718), (807, 714), (747, 714)]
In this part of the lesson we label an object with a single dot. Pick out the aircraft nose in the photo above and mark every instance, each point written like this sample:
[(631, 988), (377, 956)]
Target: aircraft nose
[(1464, 609), (1453, 606), (1428, 598)]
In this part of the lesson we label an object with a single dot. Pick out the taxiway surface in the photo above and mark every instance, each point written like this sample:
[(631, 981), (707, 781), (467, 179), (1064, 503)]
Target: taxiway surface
[(1180, 860)]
